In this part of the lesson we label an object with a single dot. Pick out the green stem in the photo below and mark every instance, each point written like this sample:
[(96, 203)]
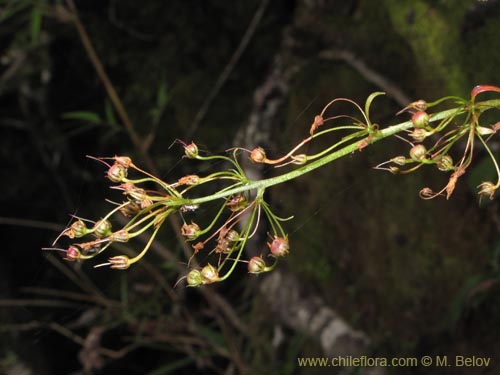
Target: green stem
[(379, 135)]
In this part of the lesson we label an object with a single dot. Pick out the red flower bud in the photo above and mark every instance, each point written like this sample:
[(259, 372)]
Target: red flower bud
[(72, 253), (420, 120), (279, 246), (258, 155)]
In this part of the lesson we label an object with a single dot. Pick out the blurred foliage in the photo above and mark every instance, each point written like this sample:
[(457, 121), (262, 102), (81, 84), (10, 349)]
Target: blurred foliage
[(419, 277)]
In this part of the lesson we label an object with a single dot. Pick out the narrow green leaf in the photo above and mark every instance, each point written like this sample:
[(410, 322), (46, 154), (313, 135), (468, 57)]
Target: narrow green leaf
[(36, 24), (172, 366), (162, 97), (110, 114), (86, 116), (368, 103)]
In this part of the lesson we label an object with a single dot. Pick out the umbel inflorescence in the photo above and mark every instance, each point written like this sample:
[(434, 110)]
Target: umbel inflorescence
[(432, 138)]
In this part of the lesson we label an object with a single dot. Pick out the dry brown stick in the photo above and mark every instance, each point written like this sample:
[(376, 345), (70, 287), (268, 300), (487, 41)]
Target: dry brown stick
[(110, 89), (369, 74)]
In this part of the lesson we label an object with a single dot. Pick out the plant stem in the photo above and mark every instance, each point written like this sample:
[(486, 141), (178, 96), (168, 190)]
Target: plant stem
[(379, 135)]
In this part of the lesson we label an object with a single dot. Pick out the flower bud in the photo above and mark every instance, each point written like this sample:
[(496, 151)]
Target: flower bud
[(420, 119), (190, 231), (300, 159), (120, 262), (102, 228), (124, 161), (194, 278), (191, 150), (399, 160), (445, 163), (223, 246), (232, 236), (420, 105), (72, 253), (487, 189), (120, 236), (418, 152), (78, 229), (209, 274), (256, 265), (279, 246), (130, 209), (485, 131), (258, 155), (394, 170), (426, 193), (419, 135), (237, 203), (117, 172)]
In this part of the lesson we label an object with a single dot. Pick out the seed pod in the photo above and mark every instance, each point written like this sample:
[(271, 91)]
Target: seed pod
[(445, 163), (209, 274), (194, 278), (279, 246), (256, 265), (258, 155), (102, 228), (418, 152), (420, 120)]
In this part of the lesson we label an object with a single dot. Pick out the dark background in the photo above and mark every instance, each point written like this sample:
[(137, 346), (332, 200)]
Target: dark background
[(418, 277)]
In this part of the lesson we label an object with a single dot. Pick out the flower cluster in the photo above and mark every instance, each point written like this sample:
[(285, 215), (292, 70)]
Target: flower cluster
[(222, 237), (145, 209), (435, 144)]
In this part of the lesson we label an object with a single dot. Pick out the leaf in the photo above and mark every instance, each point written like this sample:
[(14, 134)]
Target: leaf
[(87, 116), (110, 114), (36, 24), (162, 96), (368, 103)]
